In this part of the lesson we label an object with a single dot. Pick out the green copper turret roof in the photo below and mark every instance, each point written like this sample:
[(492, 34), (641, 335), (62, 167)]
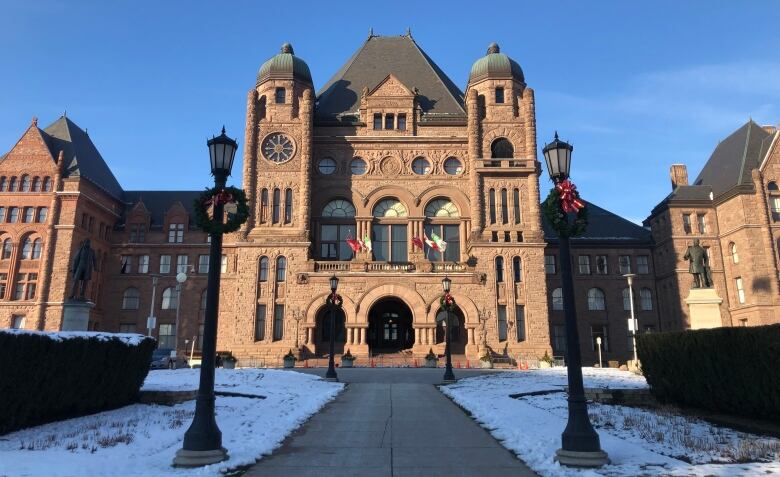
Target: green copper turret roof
[(285, 65), (495, 65)]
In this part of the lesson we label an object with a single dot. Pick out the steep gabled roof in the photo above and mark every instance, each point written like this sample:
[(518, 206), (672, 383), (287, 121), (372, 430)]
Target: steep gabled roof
[(157, 202), (604, 227), (379, 57), (732, 161), (81, 156)]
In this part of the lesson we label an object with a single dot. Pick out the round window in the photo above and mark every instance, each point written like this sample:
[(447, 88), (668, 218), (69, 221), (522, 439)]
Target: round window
[(420, 165), (278, 148), (453, 166), (326, 166), (358, 166)]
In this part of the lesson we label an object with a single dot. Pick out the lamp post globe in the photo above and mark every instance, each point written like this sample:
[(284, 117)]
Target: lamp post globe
[(580, 444), (634, 325), (449, 377), (332, 301), (203, 440)]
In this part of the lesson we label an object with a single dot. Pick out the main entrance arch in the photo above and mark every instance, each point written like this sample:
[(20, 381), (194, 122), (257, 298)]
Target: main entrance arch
[(390, 326), (322, 338)]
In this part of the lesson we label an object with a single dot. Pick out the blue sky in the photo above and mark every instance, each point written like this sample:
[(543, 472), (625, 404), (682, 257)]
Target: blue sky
[(635, 86)]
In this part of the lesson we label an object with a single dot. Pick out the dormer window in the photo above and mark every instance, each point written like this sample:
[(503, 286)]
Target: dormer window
[(176, 233), (377, 121), (280, 95), (499, 95), (389, 121), (402, 122)]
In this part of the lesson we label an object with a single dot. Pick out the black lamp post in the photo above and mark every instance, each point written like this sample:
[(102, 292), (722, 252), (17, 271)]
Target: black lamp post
[(580, 444), (203, 439), (449, 377), (334, 303)]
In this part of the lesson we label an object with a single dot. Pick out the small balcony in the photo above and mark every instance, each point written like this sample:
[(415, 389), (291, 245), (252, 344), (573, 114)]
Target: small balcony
[(505, 166)]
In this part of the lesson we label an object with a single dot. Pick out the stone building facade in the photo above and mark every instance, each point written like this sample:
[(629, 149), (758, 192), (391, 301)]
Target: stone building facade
[(389, 149)]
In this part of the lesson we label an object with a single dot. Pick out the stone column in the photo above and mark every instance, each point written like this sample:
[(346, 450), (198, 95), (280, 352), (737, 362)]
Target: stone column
[(310, 335), (362, 336), (471, 335), (250, 161), (472, 108), (307, 123), (533, 221), (350, 336)]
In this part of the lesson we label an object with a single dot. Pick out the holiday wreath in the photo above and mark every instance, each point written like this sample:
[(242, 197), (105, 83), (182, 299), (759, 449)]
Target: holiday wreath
[(562, 200), (447, 302), (221, 196)]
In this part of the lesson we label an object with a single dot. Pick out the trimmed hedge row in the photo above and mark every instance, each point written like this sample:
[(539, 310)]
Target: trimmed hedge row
[(51, 376), (730, 370)]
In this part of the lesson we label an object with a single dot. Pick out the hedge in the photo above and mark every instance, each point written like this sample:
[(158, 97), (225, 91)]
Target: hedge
[(725, 370), (52, 376)]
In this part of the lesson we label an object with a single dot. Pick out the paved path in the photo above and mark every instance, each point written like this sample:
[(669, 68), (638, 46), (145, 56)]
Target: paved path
[(390, 422)]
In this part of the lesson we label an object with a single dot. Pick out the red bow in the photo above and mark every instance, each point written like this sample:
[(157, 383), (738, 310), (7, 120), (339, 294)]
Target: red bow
[(448, 299), (220, 198), (568, 193)]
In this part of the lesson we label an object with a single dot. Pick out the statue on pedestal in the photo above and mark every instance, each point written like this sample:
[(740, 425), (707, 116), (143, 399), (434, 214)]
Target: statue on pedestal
[(699, 266), (81, 270)]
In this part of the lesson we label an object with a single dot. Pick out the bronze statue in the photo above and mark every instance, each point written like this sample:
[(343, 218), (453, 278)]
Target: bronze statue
[(699, 266), (81, 269)]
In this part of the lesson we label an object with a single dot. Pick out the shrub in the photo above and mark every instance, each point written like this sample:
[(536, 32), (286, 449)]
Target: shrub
[(51, 376), (729, 370)]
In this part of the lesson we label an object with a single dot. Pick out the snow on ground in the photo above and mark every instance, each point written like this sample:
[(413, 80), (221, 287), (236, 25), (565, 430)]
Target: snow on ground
[(639, 442), (143, 439)]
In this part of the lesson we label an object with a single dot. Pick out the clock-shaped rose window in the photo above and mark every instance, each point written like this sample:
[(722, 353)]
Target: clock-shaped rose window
[(278, 148)]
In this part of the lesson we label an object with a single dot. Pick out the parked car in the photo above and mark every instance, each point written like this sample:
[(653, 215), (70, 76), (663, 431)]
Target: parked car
[(162, 359)]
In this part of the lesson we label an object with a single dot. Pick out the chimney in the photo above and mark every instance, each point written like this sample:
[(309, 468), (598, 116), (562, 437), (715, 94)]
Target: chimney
[(769, 128), (679, 174)]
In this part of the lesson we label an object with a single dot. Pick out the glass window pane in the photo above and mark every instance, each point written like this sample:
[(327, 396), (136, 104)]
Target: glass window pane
[(329, 232), (399, 244), (380, 242), (452, 237)]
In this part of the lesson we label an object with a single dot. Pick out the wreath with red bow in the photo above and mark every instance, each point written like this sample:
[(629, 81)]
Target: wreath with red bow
[(447, 302), (224, 196), (335, 299), (562, 200)]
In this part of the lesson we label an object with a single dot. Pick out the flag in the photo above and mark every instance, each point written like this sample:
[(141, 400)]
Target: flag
[(441, 245), (355, 245), (367, 243), (417, 242), (431, 243)]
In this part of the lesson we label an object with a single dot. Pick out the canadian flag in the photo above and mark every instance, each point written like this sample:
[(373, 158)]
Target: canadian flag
[(355, 245), (417, 242)]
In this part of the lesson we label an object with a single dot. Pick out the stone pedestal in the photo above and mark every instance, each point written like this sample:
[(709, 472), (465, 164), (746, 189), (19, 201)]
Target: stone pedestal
[(704, 308), (75, 315)]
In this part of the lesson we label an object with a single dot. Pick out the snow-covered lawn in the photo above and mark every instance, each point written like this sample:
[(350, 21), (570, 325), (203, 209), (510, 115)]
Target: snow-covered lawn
[(639, 442), (143, 439)]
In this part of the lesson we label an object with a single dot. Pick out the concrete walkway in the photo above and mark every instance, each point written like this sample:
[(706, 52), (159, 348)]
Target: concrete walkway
[(390, 422)]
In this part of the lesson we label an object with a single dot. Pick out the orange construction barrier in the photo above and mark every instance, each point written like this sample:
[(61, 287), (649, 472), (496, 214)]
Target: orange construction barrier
[(373, 364), (457, 364), (415, 363), (306, 363), (468, 365)]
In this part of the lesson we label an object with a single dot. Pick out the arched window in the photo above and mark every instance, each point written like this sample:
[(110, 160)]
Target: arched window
[(264, 206), (626, 299), (130, 299), (42, 213), (504, 208), (281, 269), (3, 184), (25, 183), (516, 205), (596, 300), (646, 299), (13, 185), (733, 252), (47, 184), (390, 208), (492, 205), (772, 185), (501, 148), (169, 299), (276, 206), (557, 299), (441, 208), (288, 206), (26, 248), (517, 269), (8, 248), (263, 269), (499, 269), (36, 185), (337, 225), (36, 251), (338, 208)]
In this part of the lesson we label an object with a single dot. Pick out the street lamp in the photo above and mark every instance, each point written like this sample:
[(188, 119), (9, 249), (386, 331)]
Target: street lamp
[(180, 279), (580, 442), (446, 284), (334, 303), (203, 439), (633, 323)]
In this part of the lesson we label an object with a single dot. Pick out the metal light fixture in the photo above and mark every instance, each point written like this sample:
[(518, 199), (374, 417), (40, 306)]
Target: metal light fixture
[(449, 377), (446, 283), (557, 154), (334, 283), (333, 302), (222, 150)]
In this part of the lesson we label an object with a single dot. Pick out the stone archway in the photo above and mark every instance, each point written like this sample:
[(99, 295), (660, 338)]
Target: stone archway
[(390, 326), (459, 332), (322, 331)]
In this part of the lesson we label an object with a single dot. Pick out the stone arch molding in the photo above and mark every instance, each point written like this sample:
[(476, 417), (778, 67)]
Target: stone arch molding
[(466, 305), (411, 298), (314, 306)]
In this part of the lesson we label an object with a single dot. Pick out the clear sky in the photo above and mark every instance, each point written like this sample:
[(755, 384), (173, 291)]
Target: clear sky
[(635, 86)]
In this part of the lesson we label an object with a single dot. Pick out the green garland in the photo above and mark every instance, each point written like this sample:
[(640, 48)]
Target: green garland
[(233, 222), (551, 207), (447, 306)]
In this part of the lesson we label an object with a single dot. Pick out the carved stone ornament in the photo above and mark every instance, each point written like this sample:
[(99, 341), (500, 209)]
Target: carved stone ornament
[(390, 166), (302, 279)]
